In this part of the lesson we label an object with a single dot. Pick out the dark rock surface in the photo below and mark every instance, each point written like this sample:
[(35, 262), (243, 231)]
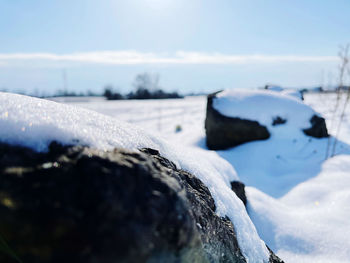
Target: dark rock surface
[(76, 204), (238, 188), (223, 132), (278, 120), (318, 127)]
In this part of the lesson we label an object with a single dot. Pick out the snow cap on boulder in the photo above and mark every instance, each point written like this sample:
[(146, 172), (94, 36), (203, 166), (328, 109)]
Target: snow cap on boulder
[(239, 116)]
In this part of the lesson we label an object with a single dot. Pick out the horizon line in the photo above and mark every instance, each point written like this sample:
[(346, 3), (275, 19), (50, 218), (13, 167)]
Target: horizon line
[(132, 57)]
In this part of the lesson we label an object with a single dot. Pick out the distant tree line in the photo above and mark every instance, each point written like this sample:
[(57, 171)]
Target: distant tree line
[(140, 94), (146, 86), (57, 93)]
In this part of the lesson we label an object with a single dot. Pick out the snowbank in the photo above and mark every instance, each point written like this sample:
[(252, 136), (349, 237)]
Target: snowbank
[(296, 200), (35, 123), (264, 106), (311, 222)]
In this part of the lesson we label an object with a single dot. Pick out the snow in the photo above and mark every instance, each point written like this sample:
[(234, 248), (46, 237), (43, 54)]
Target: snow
[(153, 115), (311, 222), (275, 88), (298, 202), (35, 123), (293, 92), (296, 199), (264, 106), (325, 103), (286, 91)]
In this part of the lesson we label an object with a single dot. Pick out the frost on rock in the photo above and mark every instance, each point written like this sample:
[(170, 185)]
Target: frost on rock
[(35, 123)]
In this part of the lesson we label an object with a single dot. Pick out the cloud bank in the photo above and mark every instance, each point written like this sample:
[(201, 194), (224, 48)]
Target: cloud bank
[(135, 58)]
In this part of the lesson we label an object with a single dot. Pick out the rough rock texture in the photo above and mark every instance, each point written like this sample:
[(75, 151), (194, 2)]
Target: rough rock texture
[(76, 204), (223, 132), (318, 127)]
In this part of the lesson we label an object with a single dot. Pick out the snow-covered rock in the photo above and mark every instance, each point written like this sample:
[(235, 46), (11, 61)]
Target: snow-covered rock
[(35, 123), (90, 205), (223, 132), (311, 223), (263, 110)]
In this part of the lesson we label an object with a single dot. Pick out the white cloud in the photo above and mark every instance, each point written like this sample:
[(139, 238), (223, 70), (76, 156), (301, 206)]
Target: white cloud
[(133, 57)]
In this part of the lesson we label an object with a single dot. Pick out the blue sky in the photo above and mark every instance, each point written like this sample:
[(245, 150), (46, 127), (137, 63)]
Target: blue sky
[(194, 45)]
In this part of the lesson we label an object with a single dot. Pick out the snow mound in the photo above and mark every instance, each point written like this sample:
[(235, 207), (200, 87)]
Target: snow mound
[(311, 222), (264, 106), (34, 123)]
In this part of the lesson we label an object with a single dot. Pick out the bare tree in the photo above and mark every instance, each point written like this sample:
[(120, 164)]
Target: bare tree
[(344, 55), (343, 70), (147, 81)]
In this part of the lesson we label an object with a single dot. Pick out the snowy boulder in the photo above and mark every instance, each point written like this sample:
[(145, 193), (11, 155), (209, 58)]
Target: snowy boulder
[(238, 116), (80, 204), (318, 127), (32, 125), (223, 132)]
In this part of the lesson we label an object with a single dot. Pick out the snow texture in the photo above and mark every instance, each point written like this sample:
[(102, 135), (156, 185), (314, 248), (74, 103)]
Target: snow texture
[(35, 123), (311, 222), (264, 106)]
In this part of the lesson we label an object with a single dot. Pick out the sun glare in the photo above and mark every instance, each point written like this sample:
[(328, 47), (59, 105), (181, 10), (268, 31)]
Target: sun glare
[(160, 4)]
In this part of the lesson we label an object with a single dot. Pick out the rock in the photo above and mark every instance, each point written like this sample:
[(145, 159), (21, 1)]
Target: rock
[(318, 127), (238, 188), (278, 120), (77, 204), (223, 132)]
